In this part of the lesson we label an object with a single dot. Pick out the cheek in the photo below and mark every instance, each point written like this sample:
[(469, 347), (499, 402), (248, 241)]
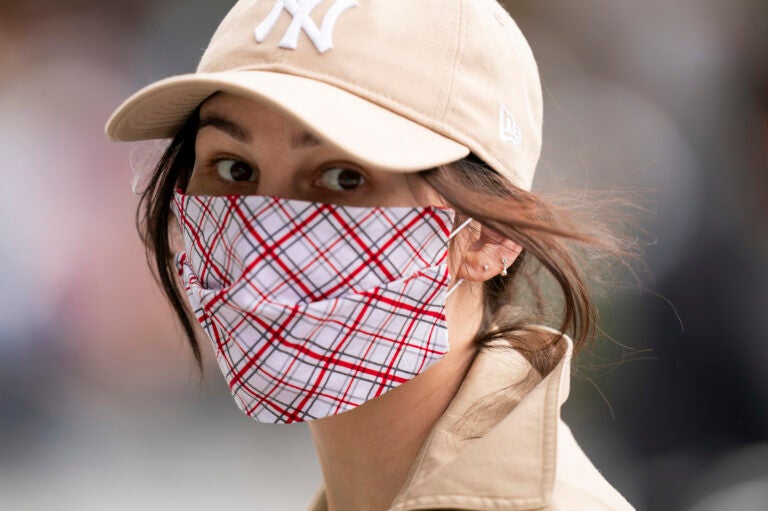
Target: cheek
[(420, 191), (391, 190), (194, 179), (454, 261), (200, 184), (194, 184), (463, 316), (175, 238)]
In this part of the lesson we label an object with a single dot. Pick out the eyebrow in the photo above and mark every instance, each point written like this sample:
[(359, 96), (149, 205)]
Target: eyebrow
[(231, 128), (302, 140)]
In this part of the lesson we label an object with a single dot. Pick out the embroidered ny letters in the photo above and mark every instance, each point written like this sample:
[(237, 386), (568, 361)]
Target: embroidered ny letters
[(300, 10)]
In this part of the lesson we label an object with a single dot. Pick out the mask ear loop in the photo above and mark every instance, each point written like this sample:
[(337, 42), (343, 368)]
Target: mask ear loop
[(450, 236)]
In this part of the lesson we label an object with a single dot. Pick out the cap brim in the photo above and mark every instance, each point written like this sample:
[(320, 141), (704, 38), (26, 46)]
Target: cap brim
[(366, 131)]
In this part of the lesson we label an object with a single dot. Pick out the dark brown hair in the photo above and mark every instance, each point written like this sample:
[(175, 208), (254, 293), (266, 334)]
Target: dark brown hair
[(570, 242)]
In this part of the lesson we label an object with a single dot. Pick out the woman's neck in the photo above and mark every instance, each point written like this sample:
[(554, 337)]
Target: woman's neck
[(366, 453)]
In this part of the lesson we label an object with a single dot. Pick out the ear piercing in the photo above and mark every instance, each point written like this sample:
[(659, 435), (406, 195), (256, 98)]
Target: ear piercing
[(504, 265)]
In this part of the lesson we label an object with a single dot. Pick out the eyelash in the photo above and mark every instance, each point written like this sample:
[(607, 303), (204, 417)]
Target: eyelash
[(211, 167), (215, 161), (212, 164)]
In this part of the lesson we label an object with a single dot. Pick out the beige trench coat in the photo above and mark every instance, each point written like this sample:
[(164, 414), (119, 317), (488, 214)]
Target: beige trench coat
[(516, 455)]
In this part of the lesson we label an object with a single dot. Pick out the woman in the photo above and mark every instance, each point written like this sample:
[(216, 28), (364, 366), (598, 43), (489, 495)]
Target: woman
[(352, 182)]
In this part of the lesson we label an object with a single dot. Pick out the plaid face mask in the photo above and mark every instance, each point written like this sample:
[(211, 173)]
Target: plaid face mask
[(313, 308)]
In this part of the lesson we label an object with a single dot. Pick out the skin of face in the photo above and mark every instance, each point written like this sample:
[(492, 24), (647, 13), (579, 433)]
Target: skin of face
[(247, 147), (286, 160)]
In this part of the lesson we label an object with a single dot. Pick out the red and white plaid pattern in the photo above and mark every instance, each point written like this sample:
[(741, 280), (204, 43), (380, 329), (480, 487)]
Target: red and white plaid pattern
[(315, 308)]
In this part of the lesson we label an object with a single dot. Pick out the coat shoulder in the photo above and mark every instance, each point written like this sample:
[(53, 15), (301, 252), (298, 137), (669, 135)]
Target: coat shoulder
[(578, 484)]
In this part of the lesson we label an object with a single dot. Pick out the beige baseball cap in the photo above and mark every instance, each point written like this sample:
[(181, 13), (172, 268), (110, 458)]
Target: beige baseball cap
[(403, 85)]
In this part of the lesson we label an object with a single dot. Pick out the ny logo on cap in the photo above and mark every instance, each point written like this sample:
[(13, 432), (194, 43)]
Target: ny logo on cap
[(300, 10)]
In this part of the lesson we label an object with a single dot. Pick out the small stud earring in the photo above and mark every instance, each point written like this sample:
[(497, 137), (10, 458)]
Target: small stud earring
[(485, 267), (503, 266)]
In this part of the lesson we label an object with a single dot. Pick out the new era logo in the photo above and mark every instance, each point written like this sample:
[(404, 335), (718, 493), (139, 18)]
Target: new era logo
[(509, 130), (322, 37)]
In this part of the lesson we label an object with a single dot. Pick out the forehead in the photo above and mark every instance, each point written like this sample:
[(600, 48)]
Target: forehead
[(252, 116), (243, 119), (233, 103)]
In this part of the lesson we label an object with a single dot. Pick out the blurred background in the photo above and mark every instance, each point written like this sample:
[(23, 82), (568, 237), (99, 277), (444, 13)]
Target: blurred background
[(100, 404)]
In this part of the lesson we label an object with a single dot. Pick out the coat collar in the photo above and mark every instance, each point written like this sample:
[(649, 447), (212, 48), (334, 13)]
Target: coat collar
[(495, 446)]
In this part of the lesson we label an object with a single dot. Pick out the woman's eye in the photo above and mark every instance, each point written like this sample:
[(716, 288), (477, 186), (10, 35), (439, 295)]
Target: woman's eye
[(234, 170), (341, 179)]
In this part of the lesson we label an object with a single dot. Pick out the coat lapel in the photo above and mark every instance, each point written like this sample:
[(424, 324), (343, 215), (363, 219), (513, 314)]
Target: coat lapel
[(495, 447)]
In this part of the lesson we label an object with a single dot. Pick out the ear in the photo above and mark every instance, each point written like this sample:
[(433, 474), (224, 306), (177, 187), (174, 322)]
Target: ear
[(483, 258)]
